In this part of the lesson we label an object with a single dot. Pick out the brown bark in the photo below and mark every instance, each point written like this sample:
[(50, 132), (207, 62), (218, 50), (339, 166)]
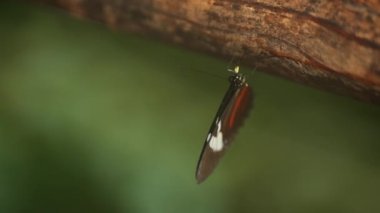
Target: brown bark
[(333, 45)]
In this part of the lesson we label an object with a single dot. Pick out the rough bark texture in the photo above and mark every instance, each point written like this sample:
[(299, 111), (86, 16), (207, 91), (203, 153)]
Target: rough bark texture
[(333, 45)]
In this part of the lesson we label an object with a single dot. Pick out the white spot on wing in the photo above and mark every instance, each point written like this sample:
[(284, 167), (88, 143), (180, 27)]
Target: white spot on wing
[(208, 137), (216, 142)]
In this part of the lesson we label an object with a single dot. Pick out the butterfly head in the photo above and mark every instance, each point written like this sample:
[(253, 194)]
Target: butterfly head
[(237, 79)]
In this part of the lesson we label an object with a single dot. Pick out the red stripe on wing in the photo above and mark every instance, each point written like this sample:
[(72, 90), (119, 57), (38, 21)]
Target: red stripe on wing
[(241, 100)]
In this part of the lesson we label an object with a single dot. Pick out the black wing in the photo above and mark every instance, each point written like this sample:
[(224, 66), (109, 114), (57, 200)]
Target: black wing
[(231, 114)]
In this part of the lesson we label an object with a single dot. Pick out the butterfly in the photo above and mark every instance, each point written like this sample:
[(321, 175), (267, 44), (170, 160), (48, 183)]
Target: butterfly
[(234, 108)]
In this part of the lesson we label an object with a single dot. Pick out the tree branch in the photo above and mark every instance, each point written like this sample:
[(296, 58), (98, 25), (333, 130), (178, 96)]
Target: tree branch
[(333, 45)]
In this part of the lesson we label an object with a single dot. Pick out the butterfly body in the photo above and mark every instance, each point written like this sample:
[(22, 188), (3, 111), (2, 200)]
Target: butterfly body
[(232, 111)]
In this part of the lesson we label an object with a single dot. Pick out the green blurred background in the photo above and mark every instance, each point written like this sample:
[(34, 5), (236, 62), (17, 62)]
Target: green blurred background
[(97, 121)]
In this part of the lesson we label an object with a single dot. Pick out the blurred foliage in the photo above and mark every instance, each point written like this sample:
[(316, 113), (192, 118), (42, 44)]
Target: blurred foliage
[(98, 121)]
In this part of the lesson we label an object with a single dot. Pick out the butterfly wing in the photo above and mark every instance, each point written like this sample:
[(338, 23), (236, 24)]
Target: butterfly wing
[(231, 114)]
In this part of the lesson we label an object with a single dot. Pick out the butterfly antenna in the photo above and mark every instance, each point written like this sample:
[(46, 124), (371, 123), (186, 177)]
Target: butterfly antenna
[(253, 71)]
